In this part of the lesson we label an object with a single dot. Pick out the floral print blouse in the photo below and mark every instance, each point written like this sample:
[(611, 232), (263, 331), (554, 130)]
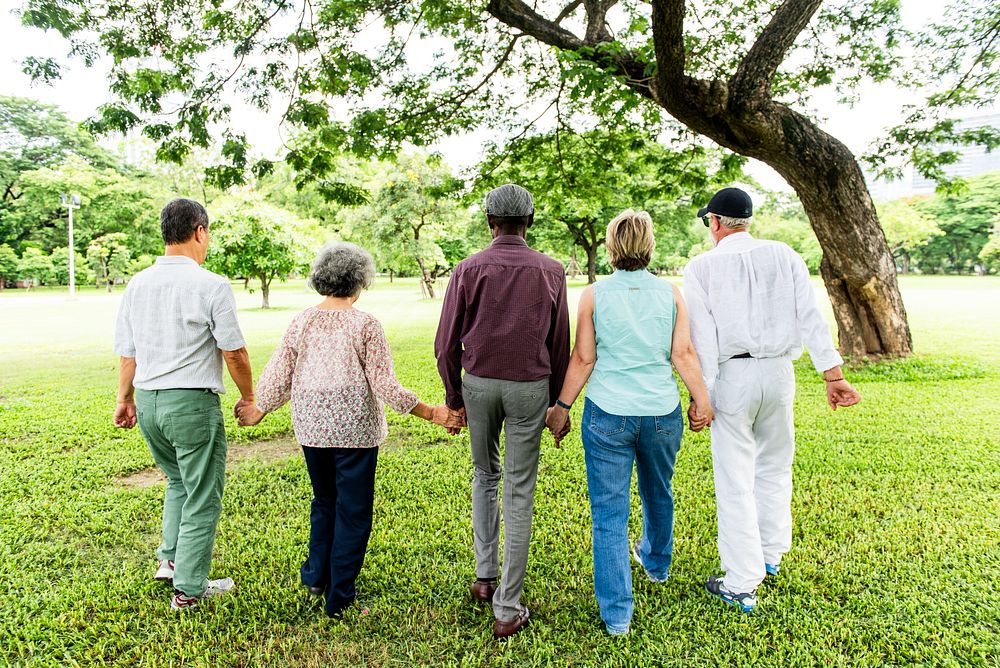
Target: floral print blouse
[(336, 367)]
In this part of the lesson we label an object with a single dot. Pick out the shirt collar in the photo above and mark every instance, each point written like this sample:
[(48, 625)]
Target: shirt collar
[(175, 260), (509, 240), (734, 237)]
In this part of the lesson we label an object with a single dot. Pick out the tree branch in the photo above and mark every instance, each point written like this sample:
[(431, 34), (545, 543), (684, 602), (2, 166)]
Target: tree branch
[(753, 78), (597, 11), (517, 14), (668, 40), (567, 10)]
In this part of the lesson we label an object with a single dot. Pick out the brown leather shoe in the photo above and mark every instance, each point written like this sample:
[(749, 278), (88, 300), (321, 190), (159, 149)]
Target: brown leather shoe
[(483, 590), (503, 630)]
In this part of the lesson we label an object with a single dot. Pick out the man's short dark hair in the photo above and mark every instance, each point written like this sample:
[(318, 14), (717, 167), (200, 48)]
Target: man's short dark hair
[(510, 224), (180, 218)]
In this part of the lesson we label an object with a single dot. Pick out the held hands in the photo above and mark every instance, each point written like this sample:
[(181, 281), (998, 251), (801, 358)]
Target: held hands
[(558, 422), (452, 420), (700, 415), (125, 415), (247, 413), (841, 393)]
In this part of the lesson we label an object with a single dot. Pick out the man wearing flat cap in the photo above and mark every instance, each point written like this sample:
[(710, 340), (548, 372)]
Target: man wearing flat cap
[(506, 323), (752, 308)]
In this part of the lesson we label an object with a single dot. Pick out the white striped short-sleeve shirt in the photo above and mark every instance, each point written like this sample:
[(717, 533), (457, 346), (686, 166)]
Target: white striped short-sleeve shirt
[(175, 319)]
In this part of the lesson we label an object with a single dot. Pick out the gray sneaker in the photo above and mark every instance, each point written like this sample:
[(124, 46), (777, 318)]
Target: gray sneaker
[(215, 588), (649, 576), (165, 571)]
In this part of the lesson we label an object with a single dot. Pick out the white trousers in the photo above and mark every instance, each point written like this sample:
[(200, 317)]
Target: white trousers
[(753, 443)]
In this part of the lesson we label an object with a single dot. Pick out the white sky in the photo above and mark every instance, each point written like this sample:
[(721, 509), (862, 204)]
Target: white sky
[(82, 90)]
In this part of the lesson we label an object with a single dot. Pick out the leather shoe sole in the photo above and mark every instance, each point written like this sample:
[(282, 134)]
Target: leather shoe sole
[(503, 630)]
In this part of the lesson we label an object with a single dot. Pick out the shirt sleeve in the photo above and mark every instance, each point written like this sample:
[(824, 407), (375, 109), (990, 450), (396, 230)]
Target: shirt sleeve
[(274, 387), (380, 373), (225, 328), (703, 330), (124, 340), (813, 328), (558, 343), (448, 342)]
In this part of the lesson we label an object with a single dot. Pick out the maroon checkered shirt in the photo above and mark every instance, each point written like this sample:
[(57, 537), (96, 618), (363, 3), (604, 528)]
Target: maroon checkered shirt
[(504, 316)]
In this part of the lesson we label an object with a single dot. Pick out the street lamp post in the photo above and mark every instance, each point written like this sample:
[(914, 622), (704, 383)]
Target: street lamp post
[(71, 202)]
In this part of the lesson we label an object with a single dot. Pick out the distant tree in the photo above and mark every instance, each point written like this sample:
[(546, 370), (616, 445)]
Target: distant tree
[(581, 181), (416, 210), (255, 240), (110, 258), (8, 265), (35, 266), (965, 216), (990, 255), (782, 218), (60, 267), (113, 201), (907, 229), (34, 135)]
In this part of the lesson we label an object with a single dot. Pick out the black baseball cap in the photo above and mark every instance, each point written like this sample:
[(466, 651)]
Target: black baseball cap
[(730, 202)]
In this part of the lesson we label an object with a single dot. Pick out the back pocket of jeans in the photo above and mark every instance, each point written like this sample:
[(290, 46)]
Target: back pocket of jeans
[(606, 423), (190, 430)]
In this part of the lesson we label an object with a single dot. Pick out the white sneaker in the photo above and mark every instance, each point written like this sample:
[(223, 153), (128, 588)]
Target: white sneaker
[(649, 576), (165, 573), (215, 588)]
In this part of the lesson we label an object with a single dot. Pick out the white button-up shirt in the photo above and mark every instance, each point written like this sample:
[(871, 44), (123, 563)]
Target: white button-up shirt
[(175, 319), (753, 296)]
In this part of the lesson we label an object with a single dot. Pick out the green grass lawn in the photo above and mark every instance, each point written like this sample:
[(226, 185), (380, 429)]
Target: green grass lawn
[(895, 557)]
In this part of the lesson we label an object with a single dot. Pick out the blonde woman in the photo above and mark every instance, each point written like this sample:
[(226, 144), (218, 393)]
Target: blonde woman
[(630, 328)]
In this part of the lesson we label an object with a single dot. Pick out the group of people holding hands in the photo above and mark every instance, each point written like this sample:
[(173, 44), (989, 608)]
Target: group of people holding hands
[(503, 353)]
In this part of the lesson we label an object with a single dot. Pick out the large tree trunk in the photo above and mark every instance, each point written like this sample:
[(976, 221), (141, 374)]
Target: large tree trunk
[(857, 268)]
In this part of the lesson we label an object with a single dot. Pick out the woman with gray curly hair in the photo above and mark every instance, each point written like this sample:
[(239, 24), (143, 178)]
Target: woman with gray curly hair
[(335, 366)]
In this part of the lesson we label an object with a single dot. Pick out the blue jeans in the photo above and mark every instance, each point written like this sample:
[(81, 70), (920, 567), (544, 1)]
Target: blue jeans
[(611, 443)]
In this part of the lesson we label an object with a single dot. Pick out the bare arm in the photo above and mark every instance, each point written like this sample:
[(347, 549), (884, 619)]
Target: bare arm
[(125, 417), (685, 359), (238, 363), (581, 365)]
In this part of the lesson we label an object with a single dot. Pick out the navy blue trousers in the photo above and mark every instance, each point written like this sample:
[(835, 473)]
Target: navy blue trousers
[(343, 482)]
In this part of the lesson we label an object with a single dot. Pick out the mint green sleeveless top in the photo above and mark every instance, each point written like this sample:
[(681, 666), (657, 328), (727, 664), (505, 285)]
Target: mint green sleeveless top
[(634, 315)]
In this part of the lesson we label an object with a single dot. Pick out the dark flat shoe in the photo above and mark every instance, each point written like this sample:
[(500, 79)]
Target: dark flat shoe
[(502, 630)]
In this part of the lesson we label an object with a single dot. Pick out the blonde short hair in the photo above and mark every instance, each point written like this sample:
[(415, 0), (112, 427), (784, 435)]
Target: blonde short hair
[(630, 240)]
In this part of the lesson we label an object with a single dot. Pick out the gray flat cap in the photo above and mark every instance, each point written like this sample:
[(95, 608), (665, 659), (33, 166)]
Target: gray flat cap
[(509, 200)]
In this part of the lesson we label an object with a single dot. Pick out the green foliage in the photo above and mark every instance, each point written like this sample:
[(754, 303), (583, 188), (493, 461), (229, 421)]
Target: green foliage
[(35, 135), (8, 265), (112, 202), (413, 218), (317, 69), (965, 219), (781, 218), (907, 230), (60, 267), (581, 181), (955, 65), (253, 239), (990, 254), (110, 258), (35, 266)]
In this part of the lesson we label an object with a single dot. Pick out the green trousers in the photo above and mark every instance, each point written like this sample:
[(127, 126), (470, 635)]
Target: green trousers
[(187, 437)]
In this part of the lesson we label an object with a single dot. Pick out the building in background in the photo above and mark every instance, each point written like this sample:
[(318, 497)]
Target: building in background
[(974, 160)]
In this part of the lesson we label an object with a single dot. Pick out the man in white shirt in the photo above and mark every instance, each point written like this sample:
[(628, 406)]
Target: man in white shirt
[(176, 325), (751, 307)]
